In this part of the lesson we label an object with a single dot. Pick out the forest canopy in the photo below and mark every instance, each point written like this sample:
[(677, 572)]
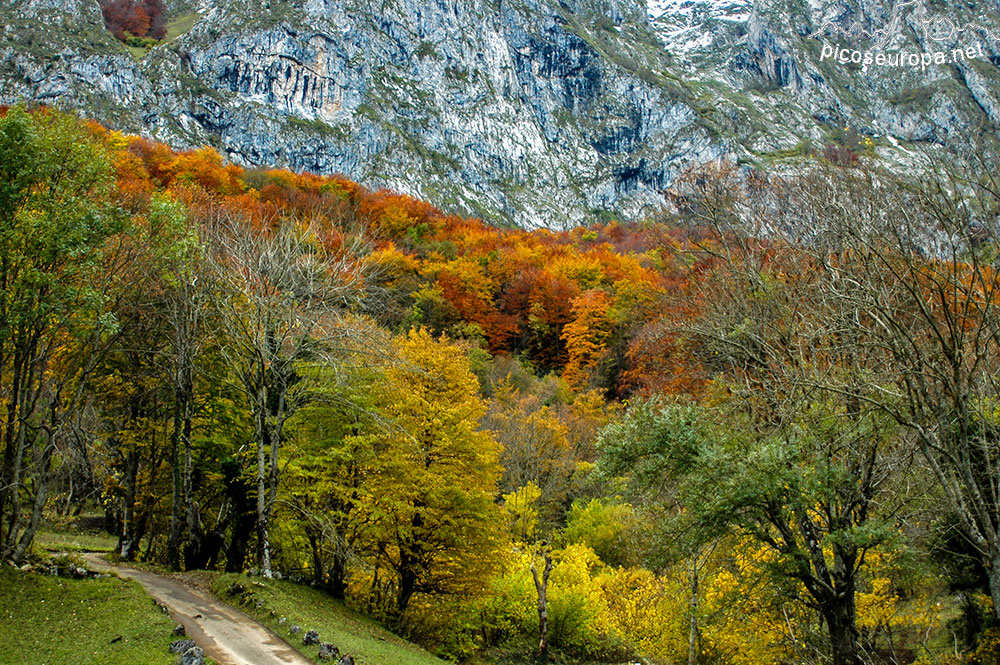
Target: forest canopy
[(759, 428)]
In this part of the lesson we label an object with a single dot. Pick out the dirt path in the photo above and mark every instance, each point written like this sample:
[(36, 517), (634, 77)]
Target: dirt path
[(227, 635)]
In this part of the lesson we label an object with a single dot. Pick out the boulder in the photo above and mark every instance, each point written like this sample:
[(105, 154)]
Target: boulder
[(311, 637), (179, 630), (193, 656), (180, 646), (328, 651), (295, 629), (346, 660)]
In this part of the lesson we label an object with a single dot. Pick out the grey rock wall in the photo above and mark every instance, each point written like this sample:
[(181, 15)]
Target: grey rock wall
[(535, 112)]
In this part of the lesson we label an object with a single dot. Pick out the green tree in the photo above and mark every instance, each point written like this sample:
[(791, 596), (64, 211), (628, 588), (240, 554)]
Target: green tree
[(325, 489), (57, 289), (285, 303), (182, 297), (814, 487)]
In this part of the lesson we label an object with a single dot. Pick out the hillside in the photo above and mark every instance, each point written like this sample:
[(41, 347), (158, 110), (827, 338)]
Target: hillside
[(50, 619), (534, 112), (757, 429), (80, 620)]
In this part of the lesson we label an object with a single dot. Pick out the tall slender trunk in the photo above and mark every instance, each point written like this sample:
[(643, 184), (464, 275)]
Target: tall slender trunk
[(126, 540), (24, 406), (693, 612), (263, 535), (995, 583), (173, 540), (39, 503), (42, 479), (194, 554), (14, 487), (542, 588), (263, 455), (13, 450), (8, 494), (271, 423)]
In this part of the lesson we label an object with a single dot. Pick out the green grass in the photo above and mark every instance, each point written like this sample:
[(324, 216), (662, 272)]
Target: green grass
[(83, 533), (75, 542), (363, 638), (137, 52), (178, 25), (56, 621)]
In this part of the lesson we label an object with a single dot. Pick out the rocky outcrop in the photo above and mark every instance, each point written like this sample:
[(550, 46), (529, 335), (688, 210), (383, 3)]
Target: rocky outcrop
[(182, 646), (328, 651), (537, 112)]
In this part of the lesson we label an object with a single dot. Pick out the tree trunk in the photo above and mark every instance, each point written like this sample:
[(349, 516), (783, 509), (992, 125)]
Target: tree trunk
[(337, 575), (14, 483), (995, 583), (195, 555), (542, 587), (263, 543), (315, 544), (173, 540), (407, 586), (14, 486), (39, 503), (126, 541), (13, 435), (843, 633), (693, 610)]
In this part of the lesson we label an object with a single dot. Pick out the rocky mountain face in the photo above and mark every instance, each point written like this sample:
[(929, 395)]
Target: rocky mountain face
[(534, 112)]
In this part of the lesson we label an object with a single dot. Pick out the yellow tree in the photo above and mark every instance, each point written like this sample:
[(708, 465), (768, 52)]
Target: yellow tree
[(430, 489)]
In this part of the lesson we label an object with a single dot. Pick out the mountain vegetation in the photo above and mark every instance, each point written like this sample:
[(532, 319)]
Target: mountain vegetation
[(758, 428)]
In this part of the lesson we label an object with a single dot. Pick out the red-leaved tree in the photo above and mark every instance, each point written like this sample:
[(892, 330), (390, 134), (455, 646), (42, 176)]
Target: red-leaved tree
[(141, 18)]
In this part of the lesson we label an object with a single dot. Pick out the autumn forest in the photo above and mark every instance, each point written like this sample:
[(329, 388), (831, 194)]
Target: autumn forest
[(761, 427)]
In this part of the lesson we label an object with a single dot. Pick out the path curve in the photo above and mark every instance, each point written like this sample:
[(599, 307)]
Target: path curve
[(227, 635)]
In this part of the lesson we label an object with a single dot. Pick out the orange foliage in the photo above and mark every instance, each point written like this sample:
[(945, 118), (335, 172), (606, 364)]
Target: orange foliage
[(586, 336), (394, 214), (570, 301)]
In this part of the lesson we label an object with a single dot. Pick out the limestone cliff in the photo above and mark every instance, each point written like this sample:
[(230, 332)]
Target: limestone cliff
[(537, 112)]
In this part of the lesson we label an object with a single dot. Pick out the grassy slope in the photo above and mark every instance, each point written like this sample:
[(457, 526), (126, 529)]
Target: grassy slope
[(366, 640), (75, 542), (178, 25), (84, 533), (61, 621)]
